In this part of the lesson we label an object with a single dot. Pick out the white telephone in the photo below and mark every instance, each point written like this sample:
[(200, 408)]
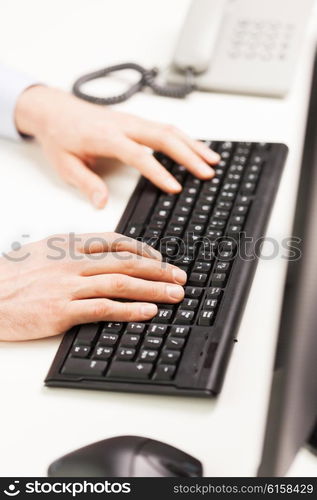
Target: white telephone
[(244, 46)]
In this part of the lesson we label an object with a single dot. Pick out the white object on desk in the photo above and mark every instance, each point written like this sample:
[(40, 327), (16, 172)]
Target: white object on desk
[(39, 424), (242, 46)]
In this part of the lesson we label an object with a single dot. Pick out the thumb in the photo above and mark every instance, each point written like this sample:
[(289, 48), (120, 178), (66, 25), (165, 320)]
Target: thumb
[(75, 172)]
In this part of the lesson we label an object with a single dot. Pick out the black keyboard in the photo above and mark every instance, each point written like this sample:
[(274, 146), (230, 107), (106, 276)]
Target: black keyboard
[(211, 230)]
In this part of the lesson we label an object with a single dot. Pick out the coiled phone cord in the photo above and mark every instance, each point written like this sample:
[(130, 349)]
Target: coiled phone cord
[(147, 80)]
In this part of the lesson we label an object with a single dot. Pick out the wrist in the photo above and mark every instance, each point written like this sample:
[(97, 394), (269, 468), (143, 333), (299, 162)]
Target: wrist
[(31, 109)]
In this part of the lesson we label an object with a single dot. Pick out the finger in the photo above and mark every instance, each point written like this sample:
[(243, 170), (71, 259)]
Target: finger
[(89, 311), (76, 173), (91, 243), (200, 148), (184, 150), (133, 265), (136, 156), (120, 286), (179, 151)]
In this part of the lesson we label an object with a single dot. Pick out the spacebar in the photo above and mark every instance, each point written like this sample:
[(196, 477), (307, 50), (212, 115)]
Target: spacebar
[(124, 369)]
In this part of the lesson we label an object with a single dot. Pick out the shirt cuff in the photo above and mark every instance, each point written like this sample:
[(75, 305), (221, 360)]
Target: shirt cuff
[(12, 84)]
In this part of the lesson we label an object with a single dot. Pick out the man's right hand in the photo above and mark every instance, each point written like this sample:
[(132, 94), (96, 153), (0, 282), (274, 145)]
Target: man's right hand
[(51, 285)]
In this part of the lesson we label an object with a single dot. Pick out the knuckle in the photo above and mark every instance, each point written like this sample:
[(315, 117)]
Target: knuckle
[(154, 291), (129, 312), (138, 155), (101, 309), (119, 283), (120, 243), (168, 129), (129, 261)]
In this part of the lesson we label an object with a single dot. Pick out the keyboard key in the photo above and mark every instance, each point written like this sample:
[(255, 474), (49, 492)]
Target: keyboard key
[(198, 279), (236, 168), (80, 351), (170, 356), (102, 353), (152, 234), (222, 267), (184, 317), (218, 279), (206, 318), (174, 230), (179, 169), (243, 200), (248, 188), (221, 214), (135, 328), (193, 292), (214, 292), (112, 327), (251, 177), (227, 196), (129, 340), (202, 267), (175, 343), (179, 219), (182, 210), (199, 218), (161, 214), (152, 342), (163, 316), (180, 331), (185, 260), (189, 304), (186, 200), (217, 224), (166, 202), (164, 372), (148, 355), (213, 234), (195, 228), (128, 369), (210, 304), (237, 219), (157, 224), (108, 339), (157, 330), (87, 334), (84, 367), (204, 208), (124, 353), (134, 230), (254, 169), (234, 230), (224, 205)]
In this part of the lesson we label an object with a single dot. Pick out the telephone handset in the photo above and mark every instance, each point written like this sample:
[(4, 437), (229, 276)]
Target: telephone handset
[(198, 37), (243, 46)]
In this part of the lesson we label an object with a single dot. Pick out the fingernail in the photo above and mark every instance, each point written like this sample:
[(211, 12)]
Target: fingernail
[(212, 156), (175, 291), (179, 276), (149, 310), (151, 252), (99, 199), (174, 185), (205, 169)]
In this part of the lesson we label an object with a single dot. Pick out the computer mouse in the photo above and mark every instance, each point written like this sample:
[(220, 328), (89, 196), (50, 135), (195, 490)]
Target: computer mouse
[(126, 456)]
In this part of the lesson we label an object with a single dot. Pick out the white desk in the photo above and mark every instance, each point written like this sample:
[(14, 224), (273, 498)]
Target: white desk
[(57, 41)]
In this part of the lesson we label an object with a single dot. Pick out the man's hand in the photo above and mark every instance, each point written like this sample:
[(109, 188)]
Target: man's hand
[(74, 133), (49, 286)]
